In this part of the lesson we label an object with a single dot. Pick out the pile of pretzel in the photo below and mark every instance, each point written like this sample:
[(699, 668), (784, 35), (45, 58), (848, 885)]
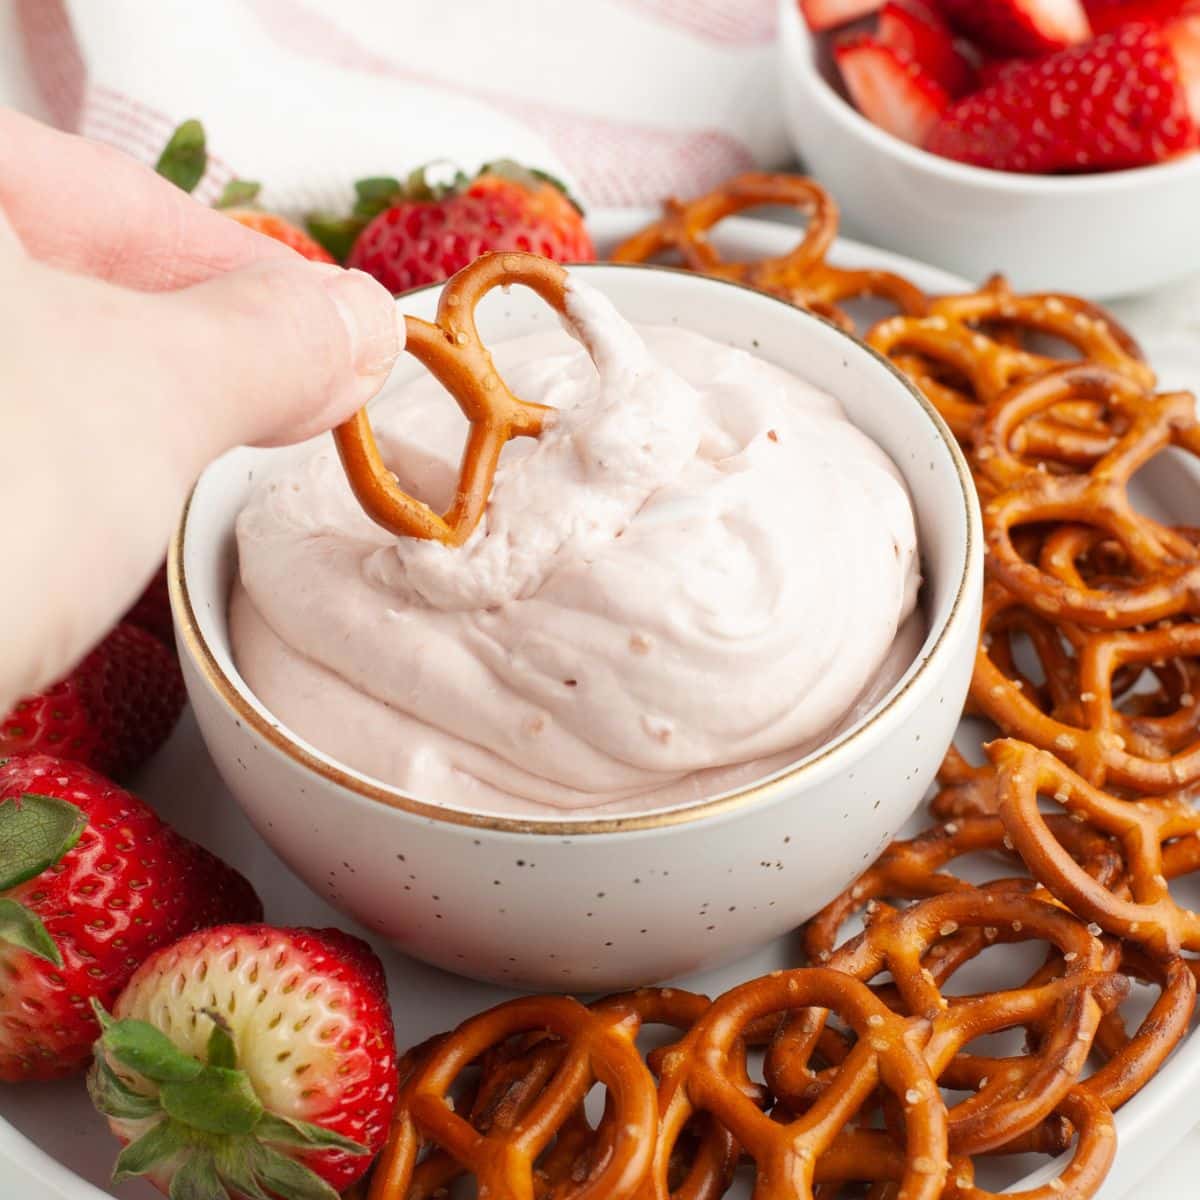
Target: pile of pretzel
[(1088, 664)]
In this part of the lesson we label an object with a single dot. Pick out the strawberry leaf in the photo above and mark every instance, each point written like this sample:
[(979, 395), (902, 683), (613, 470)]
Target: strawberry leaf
[(375, 195), (20, 927), (161, 1142), (238, 193), (197, 1179), (221, 1050), (287, 1177), (235, 1169), (336, 234), (35, 833), (185, 157), (142, 1048), (114, 1097), (215, 1101), (285, 1132), (433, 181)]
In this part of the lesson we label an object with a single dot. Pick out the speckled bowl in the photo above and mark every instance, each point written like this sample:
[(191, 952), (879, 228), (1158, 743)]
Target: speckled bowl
[(588, 903)]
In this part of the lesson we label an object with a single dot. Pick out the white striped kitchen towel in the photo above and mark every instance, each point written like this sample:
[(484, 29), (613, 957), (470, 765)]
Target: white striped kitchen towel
[(630, 100)]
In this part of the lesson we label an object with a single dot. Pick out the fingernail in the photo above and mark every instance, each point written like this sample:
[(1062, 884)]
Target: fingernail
[(372, 320)]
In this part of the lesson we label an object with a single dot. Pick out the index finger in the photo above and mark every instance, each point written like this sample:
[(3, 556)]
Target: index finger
[(88, 208)]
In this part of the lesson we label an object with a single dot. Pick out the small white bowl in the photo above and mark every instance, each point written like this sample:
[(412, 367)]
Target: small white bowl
[(591, 903), (1102, 235)]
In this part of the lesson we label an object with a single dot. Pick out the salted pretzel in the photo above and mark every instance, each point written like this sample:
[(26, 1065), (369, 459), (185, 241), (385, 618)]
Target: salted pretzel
[(1075, 709), (803, 276), (912, 870), (964, 789), (1164, 566), (1080, 1178), (518, 1070), (1150, 918), (968, 350), (452, 350), (1069, 1007), (599, 1048), (790, 1155)]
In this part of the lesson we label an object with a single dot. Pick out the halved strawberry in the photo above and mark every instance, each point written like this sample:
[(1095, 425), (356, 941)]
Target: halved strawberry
[(1107, 15), (917, 29), (1020, 26), (889, 89), (1142, 106), (830, 14)]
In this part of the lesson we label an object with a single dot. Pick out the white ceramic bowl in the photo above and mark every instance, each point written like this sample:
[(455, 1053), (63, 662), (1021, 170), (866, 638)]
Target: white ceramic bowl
[(594, 904), (1101, 235)]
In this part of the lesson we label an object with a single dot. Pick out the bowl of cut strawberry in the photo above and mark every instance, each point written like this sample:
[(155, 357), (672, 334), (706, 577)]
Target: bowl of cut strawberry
[(1060, 138)]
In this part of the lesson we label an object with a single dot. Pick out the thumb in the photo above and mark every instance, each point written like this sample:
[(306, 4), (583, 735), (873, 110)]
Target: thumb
[(274, 352)]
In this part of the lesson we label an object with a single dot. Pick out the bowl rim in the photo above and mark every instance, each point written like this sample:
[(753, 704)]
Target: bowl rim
[(840, 109), (282, 740)]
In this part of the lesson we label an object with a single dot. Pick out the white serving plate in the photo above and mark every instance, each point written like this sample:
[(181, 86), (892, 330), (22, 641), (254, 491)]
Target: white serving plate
[(53, 1146)]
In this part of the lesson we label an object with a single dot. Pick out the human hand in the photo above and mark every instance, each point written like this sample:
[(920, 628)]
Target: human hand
[(141, 335)]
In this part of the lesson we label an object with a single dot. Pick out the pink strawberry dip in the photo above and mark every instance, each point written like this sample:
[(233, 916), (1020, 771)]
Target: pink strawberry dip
[(698, 574)]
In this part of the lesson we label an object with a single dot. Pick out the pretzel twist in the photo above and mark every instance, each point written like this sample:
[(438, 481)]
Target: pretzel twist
[(802, 276), (599, 1048), (788, 1154), (453, 352), (1069, 1008), (1150, 918)]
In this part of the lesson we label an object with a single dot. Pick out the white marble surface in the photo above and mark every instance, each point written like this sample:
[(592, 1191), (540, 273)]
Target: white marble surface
[(1168, 324)]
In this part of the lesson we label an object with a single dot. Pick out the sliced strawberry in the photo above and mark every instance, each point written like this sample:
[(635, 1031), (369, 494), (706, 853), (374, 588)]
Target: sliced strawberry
[(889, 89), (1019, 26), (1183, 37), (830, 14), (1107, 15), (919, 31), (1142, 106)]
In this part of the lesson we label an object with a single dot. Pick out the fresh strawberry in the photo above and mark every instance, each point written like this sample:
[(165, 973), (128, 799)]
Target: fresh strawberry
[(889, 89), (1130, 98), (1107, 15), (151, 611), (919, 31), (993, 70), (112, 712), (418, 233), (248, 1060), (830, 14), (1019, 26), (185, 159), (236, 203), (91, 882)]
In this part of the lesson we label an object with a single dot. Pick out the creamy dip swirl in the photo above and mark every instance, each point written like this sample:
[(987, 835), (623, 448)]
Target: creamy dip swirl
[(701, 571)]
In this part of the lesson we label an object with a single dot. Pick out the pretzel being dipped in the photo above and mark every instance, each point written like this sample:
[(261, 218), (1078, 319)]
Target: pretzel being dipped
[(452, 350)]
